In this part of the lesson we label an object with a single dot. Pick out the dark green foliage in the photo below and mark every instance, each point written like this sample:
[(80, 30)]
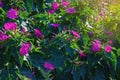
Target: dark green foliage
[(57, 46)]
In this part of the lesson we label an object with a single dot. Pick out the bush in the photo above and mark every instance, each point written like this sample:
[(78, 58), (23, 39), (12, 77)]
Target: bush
[(46, 40)]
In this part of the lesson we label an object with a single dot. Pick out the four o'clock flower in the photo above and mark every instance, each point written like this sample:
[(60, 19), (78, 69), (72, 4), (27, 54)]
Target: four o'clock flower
[(107, 48), (22, 30), (12, 14), (81, 54), (24, 48), (95, 46), (70, 10), (38, 33), (74, 33), (101, 14), (54, 25), (10, 26), (110, 42), (90, 34), (64, 3), (51, 11), (48, 66), (3, 36), (55, 6)]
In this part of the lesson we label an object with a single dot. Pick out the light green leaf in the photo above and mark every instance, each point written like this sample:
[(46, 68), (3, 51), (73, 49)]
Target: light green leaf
[(114, 60), (118, 52)]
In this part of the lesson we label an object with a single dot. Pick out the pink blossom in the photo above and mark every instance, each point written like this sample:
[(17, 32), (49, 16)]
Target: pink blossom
[(55, 25), (3, 36), (22, 30), (38, 33), (107, 48), (54, 6), (95, 45), (110, 42), (10, 26), (64, 3), (108, 33), (70, 10), (90, 34), (81, 54), (48, 66), (74, 33), (12, 14), (101, 14), (96, 19), (24, 48), (51, 11)]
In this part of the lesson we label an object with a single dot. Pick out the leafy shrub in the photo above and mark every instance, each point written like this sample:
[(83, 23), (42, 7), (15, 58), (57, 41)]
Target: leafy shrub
[(46, 40)]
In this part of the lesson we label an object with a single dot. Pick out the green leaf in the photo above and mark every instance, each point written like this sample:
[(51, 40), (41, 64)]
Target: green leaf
[(24, 15), (114, 60), (118, 52), (4, 74), (8, 74), (76, 74), (74, 45), (28, 5), (57, 58), (48, 1), (85, 40), (18, 58), (36, 60), (99, 75), (69, 50), (22, 77), (39, 4)]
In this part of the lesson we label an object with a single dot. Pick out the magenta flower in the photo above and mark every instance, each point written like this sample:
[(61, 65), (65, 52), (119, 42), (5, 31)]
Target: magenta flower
[(70, 10), (48, 66), (95, 45), (74, 33), (107, 48), (38, 33), (90, 34), (10, 26), (54, 6), (96, 19), (110, 42), (3, 36), (55, 25), (12, 14), (108, 33), (24, 48), (51, 11), (1, 4), (101, 14), (65, 3), (22, 30), (81, 54)]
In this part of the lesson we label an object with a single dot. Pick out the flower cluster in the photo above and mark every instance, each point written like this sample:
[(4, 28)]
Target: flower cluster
[(24, 48), (38, 33), (95, 45), (12, 14), (55, 6), (70, 10), (3, 36), (10, 26), (48, 66), (54, 41), (75, 34), (54, 25)]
